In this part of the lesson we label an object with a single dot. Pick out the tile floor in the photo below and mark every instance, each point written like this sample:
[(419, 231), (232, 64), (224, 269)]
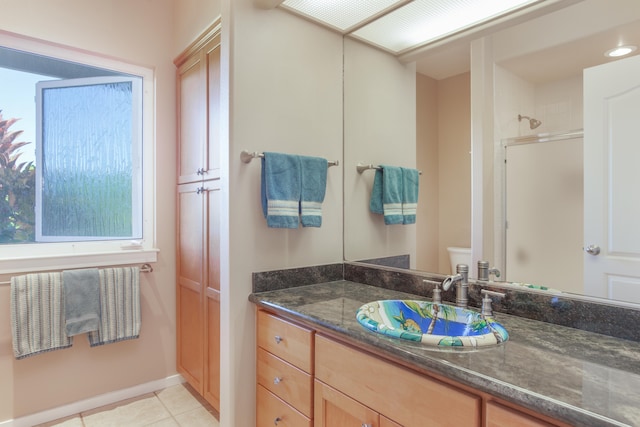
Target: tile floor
[(174, 406)]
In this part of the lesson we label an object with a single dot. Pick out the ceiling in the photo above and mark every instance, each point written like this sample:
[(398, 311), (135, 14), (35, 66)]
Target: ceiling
[(552, 46), (404, 26)]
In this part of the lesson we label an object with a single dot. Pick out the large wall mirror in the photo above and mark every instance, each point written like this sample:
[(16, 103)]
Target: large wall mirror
[(520, 94)]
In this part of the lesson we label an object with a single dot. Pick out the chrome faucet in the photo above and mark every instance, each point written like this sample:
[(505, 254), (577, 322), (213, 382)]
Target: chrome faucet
[(462, 280), (484, 271)]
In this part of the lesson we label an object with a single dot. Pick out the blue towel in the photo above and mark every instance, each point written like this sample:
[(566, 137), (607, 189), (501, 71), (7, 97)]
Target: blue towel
[(313, 188), (119, 305), (410, 185), (37, 314), (280, 190), (81, 300), (386, 194)]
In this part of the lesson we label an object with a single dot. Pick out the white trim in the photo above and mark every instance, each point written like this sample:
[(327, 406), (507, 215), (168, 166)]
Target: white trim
[(48, 256), (93, 402), (76, 260)]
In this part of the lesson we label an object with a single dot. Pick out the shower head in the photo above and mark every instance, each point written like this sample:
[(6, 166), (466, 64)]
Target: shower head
[(533, 123)]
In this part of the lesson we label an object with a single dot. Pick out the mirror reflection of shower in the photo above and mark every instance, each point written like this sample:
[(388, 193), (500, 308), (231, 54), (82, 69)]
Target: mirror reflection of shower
[(533, 123)]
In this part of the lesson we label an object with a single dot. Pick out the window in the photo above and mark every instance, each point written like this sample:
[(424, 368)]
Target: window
[(88, 159), (76, 175)]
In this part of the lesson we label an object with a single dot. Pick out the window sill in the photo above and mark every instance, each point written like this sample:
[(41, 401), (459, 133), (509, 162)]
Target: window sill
[(83, 260)]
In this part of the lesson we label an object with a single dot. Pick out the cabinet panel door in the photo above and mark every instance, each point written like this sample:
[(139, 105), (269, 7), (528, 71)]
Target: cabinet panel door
[(386, 422), (407, 397), (334, 409), (191, 111), (212, 356), (501, 416), (190, 295), (213, 207), (212, 55)]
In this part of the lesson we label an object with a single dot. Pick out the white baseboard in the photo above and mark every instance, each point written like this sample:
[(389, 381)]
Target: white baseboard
[(93, 402)]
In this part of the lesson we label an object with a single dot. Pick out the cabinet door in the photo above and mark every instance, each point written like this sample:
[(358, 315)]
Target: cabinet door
[(192, 118), (190, 292), (334, 409), (386, 422), (501, 416), (410, 398), (211, 194), (212, 148)]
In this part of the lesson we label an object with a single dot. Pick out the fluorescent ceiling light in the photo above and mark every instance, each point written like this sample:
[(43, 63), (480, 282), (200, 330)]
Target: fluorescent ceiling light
[(620, 51), (399, 25), (341, 14), (424, 21)]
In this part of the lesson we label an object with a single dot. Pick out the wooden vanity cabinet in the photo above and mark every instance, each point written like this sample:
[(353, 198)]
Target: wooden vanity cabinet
[(497, 415), (198, 216), (408, 398), (305, 378), (284, 372)]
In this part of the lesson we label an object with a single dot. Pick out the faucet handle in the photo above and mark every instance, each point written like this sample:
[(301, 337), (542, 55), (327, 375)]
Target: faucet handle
[(437, 298), (486, 301), (484, 271)]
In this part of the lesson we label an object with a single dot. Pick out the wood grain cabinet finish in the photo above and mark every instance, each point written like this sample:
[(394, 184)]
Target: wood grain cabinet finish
[(335, 409), (286, 340), (408, 398), (500, 416), (273, 411), (198, 216), (284, 372), (306, 378)]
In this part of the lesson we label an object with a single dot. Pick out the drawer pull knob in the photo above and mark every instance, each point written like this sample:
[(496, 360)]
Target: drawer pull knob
[(278, 339), (276, 421), (366, 425), (277, 380)]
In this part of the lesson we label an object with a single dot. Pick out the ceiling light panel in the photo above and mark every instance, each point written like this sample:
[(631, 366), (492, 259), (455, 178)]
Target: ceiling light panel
[(424, 21), (340, 14)]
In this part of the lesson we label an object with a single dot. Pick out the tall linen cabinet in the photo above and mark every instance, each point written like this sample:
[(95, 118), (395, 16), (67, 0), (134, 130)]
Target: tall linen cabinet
[(198, 215)]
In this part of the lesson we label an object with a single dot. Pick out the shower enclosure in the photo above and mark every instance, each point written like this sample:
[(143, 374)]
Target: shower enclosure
[(543, 210)]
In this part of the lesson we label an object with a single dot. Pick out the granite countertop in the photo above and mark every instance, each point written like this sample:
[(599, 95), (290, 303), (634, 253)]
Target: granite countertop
[(578, 377)]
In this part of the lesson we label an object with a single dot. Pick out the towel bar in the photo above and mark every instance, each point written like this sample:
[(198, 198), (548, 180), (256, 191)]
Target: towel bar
[(247, 156), (361, 167), (144, 268)]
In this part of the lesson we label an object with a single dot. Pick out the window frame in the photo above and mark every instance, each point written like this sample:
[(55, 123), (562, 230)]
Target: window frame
[(39, 256)]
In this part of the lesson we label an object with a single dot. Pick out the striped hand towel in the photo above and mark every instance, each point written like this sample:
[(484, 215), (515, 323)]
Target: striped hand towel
[(37, 314), (280, 190), (120, 306)]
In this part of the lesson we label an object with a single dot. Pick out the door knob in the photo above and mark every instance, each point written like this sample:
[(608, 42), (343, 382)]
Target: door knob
[(592, 249)]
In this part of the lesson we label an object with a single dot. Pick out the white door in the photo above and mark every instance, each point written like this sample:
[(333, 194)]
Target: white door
[(612, 180)]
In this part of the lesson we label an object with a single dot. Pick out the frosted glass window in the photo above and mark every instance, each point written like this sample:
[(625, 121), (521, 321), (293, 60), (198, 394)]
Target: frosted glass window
[(88, 157)]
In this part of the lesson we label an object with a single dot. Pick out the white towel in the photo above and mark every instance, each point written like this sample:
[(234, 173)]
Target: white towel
[(37, 314), (120, 306)]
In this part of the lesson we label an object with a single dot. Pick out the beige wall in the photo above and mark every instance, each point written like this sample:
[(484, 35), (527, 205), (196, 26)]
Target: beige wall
[(136, 31), (454, 160), (380, 128), (427, 227), (190, 18), (443, 153), (286, 95)]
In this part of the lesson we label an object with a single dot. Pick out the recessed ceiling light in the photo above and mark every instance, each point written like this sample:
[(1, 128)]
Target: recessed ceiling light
[(620, 51)]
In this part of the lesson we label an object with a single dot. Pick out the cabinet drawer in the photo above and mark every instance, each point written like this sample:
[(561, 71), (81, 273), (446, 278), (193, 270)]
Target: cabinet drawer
[(411, 399), (273, 411), (286, 340), (501, 416), (285, 381)]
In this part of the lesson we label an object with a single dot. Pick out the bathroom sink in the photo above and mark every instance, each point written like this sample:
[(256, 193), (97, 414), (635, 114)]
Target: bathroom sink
[(432, 324)]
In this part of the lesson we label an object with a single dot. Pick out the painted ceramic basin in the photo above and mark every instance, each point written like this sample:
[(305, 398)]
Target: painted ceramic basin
[(433, 324)]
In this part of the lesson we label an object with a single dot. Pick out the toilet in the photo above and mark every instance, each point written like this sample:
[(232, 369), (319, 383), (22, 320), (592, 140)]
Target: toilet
[(459, 256)]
